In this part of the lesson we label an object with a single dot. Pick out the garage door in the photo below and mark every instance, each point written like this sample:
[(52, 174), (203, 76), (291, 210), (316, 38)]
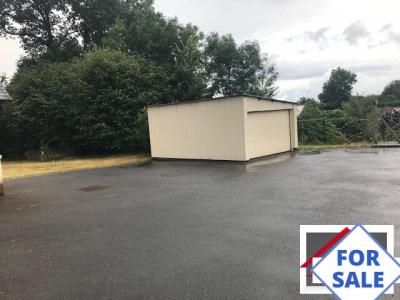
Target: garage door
[(267, 133)]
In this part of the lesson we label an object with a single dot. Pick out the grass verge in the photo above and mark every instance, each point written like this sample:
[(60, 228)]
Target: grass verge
[(312, 148), (19, 169)]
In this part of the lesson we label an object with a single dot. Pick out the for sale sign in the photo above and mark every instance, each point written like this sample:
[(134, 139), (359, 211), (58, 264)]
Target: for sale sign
[(353, 264)]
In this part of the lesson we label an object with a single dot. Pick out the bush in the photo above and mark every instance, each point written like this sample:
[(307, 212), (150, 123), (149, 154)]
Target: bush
[(116, 87), (353, 123), (90, 105), (320, 131)]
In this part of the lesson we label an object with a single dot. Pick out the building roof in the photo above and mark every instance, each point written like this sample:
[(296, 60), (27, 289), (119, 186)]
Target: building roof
[(225, 97), (4, 96)]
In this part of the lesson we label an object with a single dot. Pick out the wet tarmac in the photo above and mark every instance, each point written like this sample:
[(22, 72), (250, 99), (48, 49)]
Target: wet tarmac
[(186, 229)]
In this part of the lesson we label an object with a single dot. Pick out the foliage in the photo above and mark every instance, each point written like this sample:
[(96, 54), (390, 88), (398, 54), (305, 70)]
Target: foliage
[(92, 18), (389, 101), (320, 131), (43, 26), (57, 29), (391, 92), (116, 88), (393, 121), (360, 106), (313, 110), (305, 100), (233, 69), (175, 47), (337, 90), (114, 39), (10, 132), (353, 123), (88, 105), (315, 126), (141, 133)]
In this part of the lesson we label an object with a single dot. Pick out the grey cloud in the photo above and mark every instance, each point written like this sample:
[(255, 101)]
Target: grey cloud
[(371, 68), (386, 27), (377, 44), (394, 36), (306, 71), (294, 72), (354, 32), (290, 39), (317, 36)]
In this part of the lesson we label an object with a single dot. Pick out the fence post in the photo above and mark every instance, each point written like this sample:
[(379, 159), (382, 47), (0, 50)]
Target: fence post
[(1, 178)]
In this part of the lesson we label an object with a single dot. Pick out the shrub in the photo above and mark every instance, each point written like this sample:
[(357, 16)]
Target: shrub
[(90, 105), (320, 131)]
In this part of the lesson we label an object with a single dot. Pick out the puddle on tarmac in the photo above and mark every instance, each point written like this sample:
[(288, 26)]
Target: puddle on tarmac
[(93, 188)]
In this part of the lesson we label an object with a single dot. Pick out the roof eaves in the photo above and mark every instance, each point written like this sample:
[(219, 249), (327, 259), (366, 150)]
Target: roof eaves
[(222, 98)]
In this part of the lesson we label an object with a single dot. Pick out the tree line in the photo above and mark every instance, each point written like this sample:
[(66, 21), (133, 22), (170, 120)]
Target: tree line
[(340, 117), (92, 66)]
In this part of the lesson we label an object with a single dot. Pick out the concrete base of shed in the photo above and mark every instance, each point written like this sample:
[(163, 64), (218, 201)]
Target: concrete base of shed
[(227, 160)]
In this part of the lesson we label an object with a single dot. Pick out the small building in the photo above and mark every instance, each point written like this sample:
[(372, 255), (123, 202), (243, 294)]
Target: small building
[(4, 96), (237, 128)]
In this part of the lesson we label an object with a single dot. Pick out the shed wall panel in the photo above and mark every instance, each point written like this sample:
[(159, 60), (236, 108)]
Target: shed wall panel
[(199, 130), (268, 132)]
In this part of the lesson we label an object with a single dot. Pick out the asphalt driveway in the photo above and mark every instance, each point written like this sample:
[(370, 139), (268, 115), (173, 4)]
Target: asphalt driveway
[(183, 229)]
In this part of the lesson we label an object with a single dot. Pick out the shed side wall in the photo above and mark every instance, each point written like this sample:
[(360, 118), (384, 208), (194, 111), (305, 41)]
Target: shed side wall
[(200, 130)]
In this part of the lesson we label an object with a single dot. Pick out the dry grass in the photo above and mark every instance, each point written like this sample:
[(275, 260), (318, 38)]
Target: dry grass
[(306, 148), (19, 169)]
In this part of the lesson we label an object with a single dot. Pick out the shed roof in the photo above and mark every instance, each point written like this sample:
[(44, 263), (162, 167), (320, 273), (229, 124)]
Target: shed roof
[(4, 96), (225, 97)]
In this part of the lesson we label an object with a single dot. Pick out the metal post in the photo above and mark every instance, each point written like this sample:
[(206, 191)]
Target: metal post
[(1, 178)]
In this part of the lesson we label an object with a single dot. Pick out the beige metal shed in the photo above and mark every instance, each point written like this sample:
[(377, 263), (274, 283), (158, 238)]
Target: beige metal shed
[(236, 128)]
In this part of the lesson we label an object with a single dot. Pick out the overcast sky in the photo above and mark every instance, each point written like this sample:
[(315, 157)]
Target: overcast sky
[(305, 38)]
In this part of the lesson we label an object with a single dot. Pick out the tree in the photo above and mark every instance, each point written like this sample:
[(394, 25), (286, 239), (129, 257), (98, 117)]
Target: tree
[(93, 18), (57, 29), (233, 69), (42, 98), (43, 26), (149, 33), (312, 109), (174, 47), (114, 39), (305, 100), (337, 90), (188, 80), (391, 91), (93, 104)]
